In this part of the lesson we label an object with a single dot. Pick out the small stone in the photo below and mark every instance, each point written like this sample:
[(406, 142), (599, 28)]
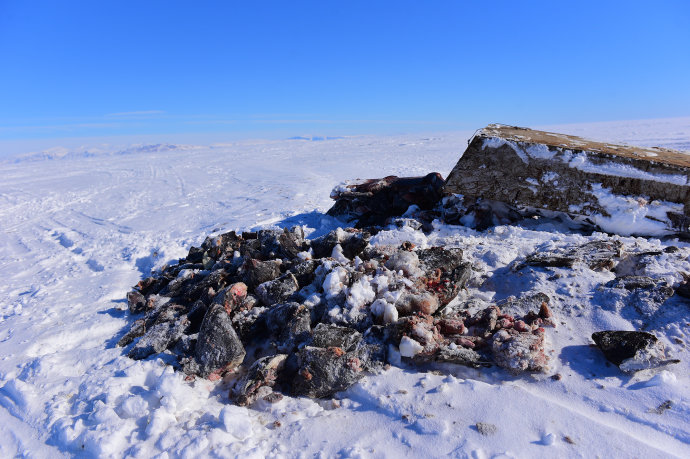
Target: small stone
[(263, 373), (273, 397), (136, 302), (667, 405), (486, 428)]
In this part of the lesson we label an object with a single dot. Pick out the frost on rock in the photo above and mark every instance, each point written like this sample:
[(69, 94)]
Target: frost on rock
[(321, 372), (218, 347), (597, 255), (332, 315), (518, 352)]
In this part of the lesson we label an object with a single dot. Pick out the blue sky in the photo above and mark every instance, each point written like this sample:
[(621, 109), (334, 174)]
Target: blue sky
[(275, 69)]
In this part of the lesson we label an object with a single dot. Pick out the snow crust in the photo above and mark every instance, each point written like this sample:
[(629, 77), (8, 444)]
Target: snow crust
[(79, 231)]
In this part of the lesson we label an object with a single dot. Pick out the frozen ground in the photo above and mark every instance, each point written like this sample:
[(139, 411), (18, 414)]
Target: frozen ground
[(78, 232)]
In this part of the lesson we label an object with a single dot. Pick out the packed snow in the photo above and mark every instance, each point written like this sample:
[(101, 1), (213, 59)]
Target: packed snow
[(79, 230)]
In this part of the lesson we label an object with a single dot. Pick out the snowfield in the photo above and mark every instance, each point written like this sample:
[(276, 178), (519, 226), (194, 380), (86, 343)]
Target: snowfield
[(80, 228)]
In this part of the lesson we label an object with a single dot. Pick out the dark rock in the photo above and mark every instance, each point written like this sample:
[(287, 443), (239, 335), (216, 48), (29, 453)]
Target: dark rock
[(136, 302), (322, 246), (137, 329), (373, 201), (281, 243), (373, 347), (684, 288), (459, 355), (196, 316), (321, 372), (195, 255), (327, 335), (151, 285), (278, 290), (216, 280), (158, 338), (304, 272), (445, 259), (169, 313), (353, 242), (181, 285), (291, 322), (263, 373), (217, 246), (186, 345), (632, 350), (249, 323), (218, 347), (256, 272)]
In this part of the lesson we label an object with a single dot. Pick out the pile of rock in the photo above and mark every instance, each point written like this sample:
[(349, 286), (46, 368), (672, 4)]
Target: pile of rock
[(311, 317)]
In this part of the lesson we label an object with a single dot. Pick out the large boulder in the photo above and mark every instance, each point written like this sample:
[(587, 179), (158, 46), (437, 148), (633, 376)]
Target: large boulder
[(617, 188)]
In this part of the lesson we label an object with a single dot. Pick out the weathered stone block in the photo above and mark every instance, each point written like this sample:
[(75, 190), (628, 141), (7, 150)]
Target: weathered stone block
[(620, 189)]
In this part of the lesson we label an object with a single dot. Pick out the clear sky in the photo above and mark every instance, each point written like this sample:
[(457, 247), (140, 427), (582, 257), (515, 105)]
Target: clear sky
[(282, 68)]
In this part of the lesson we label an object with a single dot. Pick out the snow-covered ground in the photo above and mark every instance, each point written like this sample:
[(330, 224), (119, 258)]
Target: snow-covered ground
[(79, 229)]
